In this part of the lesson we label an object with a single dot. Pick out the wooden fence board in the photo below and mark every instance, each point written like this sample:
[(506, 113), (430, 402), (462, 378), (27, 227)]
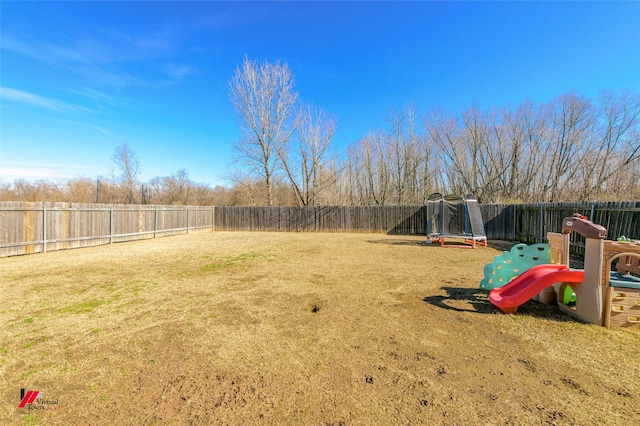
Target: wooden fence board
[(36, 227), (79, 225)]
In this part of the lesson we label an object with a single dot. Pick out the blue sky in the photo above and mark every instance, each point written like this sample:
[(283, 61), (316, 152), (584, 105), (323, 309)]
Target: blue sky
[(79, 79)]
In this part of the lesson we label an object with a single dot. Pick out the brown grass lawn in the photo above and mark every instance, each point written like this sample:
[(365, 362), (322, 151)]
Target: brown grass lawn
[(283, 328)]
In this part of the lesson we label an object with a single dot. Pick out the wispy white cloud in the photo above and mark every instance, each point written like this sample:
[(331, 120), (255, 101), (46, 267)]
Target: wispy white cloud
[(40, 52), (84, 57), (11, 171), (104, 77), (96, 128), (81, 52), (20, 96), (99, 59), (112, 46), (237, 16), (180, 71), (95, 95), (140, 46)]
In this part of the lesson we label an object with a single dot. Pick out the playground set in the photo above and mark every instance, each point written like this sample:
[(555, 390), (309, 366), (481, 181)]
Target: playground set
[(606, 292), (454, 217)]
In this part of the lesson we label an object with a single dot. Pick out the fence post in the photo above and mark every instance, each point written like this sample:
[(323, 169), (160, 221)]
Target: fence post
[(213, 218), (541, 223), (187, 220), (593, 212), (111, 224), (513, 221), (155, 223), (44, 229)]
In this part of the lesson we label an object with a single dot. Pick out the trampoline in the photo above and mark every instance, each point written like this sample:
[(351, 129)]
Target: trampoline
[(455, 219)]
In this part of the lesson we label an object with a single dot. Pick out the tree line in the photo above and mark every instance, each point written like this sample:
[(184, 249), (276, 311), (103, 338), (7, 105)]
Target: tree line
[(121, 186), (571, 148), (568, 149)]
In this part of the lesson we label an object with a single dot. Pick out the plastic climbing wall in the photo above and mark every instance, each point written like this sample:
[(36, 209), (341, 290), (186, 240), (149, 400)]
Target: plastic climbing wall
[(512, 263)]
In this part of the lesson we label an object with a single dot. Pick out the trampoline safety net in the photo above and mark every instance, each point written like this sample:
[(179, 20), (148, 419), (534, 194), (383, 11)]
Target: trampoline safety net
[(453, 216)]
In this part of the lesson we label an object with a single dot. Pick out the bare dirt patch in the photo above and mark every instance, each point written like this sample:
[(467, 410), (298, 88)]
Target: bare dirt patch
[(282, 328)]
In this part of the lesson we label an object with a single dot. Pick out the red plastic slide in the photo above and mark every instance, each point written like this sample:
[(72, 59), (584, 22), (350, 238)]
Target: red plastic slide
[(531, 282)]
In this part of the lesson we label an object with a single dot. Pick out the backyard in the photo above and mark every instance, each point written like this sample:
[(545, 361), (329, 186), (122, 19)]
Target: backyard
[(295, 328)]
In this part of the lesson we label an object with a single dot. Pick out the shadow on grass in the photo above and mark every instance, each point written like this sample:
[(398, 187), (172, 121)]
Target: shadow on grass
[(501, 245), (456, 297), (423, 243), (397, 242), (477, 301)]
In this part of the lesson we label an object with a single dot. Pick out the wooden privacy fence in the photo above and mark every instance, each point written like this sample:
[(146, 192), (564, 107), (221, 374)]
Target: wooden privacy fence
[(533, 221), (527, 223), (409, 220), (40, 227), (499, 220)]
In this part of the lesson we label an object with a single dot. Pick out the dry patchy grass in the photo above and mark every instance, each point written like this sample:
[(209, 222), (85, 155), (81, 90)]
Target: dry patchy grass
[(280, 328)]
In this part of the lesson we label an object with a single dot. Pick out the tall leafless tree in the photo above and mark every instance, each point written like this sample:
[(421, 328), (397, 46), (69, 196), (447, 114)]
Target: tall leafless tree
[(615, 156), (369, 170), (405, 153), (263, 99), (307, 160), (126, 171)]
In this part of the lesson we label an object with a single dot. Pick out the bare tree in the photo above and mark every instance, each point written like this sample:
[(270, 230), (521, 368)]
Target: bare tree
[(615, 155), (178, 189), (520, 148), (569, 149), (6, 192), (390, 166), (444, 132), (263, 99), (307, 165), (126, 171), (369, 170), (571, 126), (405, 154), (40, 190), (81, 190), (565, 150)]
